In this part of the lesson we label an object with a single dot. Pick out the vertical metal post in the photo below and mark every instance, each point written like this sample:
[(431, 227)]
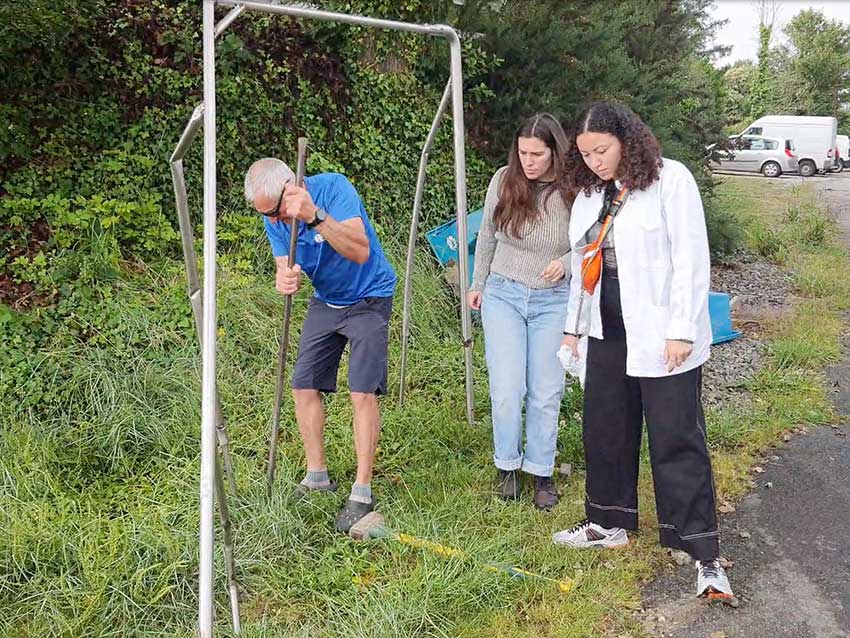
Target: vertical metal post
[(194, 290), (414, 231), (208, 385), (223, 443), (460, 197)]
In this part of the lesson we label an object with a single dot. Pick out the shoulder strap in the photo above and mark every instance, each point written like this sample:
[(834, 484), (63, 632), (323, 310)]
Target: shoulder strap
[(609, 212)]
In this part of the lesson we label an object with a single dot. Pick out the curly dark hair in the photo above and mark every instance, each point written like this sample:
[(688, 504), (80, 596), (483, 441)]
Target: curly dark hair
[(517, 203), (641, 155)]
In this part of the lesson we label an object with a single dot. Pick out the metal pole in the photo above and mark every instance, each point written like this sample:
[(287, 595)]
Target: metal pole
[(414, 231), (208, 386), (189, 134), (194, 290), (303, 11), (460, 197), (284, 335), (227, 20), (229, 563)]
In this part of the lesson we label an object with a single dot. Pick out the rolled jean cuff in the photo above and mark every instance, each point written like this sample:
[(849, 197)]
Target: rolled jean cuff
[(537, 470), (508, 465)]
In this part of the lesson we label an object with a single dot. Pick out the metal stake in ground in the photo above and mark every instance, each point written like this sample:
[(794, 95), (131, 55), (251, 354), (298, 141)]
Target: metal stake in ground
[(284, 334)]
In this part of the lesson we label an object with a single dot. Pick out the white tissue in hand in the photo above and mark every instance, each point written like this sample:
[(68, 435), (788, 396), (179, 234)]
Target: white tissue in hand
[(574, 366)]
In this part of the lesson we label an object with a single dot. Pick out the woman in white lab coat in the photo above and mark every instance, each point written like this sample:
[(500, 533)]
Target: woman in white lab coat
[(648, 335)]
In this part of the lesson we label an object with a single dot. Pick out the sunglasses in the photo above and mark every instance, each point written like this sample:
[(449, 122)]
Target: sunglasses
[(273, 212)]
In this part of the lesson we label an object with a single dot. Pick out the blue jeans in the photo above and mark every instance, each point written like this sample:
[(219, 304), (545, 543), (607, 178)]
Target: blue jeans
[(523, 329)]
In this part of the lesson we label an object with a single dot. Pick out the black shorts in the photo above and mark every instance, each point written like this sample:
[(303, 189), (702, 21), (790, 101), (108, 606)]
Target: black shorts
[(326, 331)]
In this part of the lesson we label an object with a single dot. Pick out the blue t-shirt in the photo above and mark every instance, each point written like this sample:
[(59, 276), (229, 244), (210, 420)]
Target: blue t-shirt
[(337, 280)]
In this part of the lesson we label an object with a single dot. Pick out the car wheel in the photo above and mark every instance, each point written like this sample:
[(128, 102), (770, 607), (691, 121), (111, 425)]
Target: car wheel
[(771, 169), (807, 168)]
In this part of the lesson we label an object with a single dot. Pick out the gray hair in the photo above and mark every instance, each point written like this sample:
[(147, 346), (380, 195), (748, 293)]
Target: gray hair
[(267, 177)]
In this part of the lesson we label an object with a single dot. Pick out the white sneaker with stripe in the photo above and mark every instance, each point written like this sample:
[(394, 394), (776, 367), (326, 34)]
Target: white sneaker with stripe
[(587, 534)]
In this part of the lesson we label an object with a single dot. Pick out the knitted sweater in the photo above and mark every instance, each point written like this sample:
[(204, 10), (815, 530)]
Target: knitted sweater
[(522, 258)]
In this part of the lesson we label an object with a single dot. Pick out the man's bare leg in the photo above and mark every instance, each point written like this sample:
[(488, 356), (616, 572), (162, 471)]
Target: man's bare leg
[(367, 428), (310, 414)]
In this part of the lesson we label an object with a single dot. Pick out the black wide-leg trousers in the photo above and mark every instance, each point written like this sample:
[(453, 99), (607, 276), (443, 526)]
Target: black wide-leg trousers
[(615, 406)]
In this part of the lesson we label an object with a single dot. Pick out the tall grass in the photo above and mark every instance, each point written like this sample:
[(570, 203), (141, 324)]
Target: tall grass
[(99, 488)]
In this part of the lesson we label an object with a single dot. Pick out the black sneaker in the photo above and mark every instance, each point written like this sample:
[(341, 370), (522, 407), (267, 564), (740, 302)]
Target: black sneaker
[(507, 485), (545, 493)]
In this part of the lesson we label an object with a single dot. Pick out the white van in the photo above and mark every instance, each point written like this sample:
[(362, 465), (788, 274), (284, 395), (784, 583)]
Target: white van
[(813, 138), (842, 142)]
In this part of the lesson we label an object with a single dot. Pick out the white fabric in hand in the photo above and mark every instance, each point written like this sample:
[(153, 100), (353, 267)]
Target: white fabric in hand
[(575, 366)]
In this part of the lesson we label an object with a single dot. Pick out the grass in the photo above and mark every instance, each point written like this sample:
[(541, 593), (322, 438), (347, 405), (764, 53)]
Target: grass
[(788, 226), (98, 490)]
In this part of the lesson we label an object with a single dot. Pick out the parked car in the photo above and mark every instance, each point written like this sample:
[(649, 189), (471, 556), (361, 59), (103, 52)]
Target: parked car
[(842, 143), (769, 156), (814, 138)]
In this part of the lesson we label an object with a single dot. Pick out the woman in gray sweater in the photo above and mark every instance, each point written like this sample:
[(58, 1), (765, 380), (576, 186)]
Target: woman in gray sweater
[(521, 286)]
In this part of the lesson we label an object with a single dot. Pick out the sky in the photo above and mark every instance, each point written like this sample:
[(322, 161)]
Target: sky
[(741, 32)]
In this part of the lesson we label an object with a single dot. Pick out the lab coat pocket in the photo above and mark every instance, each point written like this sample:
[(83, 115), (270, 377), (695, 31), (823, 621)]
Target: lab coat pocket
[(658, 277)]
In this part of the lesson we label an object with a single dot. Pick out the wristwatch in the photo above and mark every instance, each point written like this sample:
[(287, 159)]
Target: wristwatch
[(321, 215)]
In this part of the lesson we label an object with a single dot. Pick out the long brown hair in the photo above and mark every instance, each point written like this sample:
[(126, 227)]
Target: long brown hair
[(640, 163), (517, 204)]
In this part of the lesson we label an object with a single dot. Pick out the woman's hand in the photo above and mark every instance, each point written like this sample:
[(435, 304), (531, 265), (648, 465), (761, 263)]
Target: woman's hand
[(473, 299), (571, 342), (675, 353), (555, 271)]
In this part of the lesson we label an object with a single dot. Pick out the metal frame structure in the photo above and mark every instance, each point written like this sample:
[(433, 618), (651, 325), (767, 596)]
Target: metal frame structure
[(203, 301)]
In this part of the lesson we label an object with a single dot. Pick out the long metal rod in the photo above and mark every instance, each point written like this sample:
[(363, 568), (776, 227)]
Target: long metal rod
[(208, 385), (460, 197), (283, 348), (345, 18), (195, 299), (414, 232), (189, 133), (229, 562)]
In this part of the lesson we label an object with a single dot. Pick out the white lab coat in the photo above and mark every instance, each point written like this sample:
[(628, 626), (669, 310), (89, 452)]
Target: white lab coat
[(663, 266)]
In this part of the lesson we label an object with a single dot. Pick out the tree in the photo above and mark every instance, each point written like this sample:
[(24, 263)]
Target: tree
[(738, 79), (815, 78), (762, 90), (558, 56)]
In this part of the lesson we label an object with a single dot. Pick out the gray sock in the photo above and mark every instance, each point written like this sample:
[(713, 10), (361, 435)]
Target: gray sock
[(361, 493), (317, 480)]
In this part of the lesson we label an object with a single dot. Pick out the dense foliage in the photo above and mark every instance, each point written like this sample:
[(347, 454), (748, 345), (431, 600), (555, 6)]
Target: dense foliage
[(98, 383)]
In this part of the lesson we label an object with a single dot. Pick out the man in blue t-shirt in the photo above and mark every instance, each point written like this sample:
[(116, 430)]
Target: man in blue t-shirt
[(354, 283)]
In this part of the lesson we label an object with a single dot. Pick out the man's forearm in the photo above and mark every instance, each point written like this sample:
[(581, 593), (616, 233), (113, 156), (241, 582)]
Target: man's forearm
[(347, 238)]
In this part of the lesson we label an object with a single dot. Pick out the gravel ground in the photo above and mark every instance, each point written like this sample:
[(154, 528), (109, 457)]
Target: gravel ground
[(759, 290), (748, 276)]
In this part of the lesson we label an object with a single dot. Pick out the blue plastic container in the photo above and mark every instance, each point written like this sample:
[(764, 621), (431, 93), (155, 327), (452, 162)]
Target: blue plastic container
[(444, 243), (719, 310)]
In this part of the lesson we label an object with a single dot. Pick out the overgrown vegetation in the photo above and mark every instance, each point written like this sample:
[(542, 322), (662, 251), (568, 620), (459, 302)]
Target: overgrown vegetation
[(99, 391)]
